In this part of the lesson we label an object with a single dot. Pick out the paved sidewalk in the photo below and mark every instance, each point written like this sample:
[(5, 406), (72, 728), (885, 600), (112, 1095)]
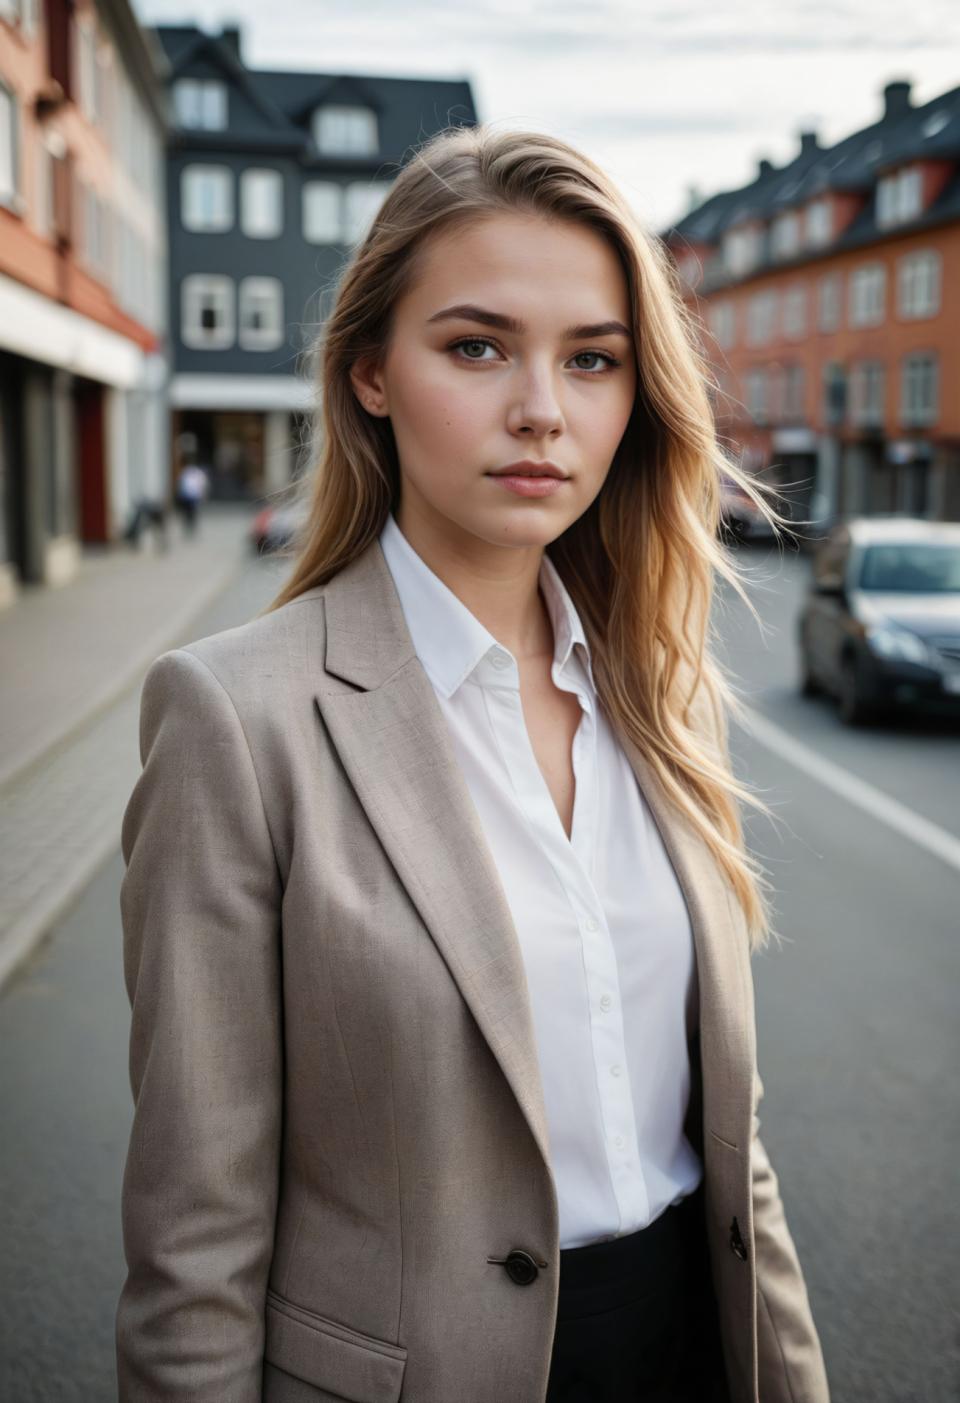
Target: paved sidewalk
[(73, 661)]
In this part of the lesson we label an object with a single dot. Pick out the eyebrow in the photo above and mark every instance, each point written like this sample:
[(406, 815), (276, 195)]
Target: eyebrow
[(466, 311)]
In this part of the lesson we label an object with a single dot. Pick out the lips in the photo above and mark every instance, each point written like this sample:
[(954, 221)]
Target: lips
[(529, 469)]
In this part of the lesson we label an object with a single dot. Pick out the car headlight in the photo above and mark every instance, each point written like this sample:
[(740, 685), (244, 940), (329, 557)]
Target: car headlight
[(890, 642)]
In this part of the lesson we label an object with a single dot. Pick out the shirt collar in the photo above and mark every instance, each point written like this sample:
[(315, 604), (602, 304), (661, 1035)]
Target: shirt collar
[(448, 639)]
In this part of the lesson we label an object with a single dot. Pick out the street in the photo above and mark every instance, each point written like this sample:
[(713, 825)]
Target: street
[(857, 1036)]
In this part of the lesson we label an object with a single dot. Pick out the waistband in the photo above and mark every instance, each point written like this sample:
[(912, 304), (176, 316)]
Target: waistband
[(648, 1255)]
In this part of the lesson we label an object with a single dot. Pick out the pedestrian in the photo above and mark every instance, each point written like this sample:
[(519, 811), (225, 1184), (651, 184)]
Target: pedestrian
[(151, 514), (193, 484), (437, 909)]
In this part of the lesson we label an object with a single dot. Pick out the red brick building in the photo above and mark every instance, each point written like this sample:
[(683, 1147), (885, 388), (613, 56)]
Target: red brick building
[(829, 295), (83, 371)]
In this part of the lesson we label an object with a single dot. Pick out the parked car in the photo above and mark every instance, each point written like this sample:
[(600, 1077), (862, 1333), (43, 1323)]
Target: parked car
[(273, 528), (739, 518), (880, 627)]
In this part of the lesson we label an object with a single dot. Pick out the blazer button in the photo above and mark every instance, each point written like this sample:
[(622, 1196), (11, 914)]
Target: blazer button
[(737, 1244), (521, 1268)]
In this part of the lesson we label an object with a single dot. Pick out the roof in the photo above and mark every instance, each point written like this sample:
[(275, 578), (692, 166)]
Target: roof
[(277, 104), (903, 134)]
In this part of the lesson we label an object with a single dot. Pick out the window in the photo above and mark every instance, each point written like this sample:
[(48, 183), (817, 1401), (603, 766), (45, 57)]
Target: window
[(742, 249), (866, 394), (819, 222), (95, 236), (829, 301), (795, 311), (722, 322), (8, 147), (834, 393), (362, 199), (322, 218), (207, 312), (785, 235), (206, 198), (261, 203), (867, 286), (261, 314), (200, 103), (761, 318), (899, 196), (757, 395), (21, 12), (341, 130), (794, 386), (918, 284), (919, 388)]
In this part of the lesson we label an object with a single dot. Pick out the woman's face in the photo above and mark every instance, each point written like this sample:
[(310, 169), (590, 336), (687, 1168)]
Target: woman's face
[(514, 343)]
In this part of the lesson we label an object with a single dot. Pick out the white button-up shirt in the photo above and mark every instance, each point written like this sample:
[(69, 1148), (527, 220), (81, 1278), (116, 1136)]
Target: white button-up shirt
[(601, 920)]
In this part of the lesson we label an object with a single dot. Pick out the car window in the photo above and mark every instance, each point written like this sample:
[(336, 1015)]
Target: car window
[(911, 567)]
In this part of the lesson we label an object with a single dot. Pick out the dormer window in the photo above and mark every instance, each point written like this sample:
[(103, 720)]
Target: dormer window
[(785, 235), (200, 104), (819, 222), (339, 130), (899, 196)]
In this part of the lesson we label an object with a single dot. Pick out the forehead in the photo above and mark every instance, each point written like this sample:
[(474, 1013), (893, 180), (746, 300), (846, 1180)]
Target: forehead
[(555, 265)]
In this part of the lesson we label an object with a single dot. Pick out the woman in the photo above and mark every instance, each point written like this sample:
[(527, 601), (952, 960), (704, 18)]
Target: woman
[(437, 913)]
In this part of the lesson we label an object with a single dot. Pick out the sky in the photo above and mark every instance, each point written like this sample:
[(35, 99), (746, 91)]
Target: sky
[(669, 99)]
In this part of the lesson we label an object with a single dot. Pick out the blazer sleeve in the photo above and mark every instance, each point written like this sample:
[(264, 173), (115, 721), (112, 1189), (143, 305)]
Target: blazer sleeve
[(200, 906), (789, 1357)]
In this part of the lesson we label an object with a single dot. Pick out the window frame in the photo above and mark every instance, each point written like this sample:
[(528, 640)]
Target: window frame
[(204, 87), (258, 338), (10, 197), (207, 167), (308, 187), (247, 182), (339, 111), (192, 334)]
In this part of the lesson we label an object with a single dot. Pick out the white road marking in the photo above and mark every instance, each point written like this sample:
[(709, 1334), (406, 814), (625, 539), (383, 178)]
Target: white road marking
[(935, 840)]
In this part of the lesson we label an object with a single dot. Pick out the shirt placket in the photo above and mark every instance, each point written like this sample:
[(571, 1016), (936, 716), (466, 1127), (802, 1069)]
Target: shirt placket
[(573, 864)]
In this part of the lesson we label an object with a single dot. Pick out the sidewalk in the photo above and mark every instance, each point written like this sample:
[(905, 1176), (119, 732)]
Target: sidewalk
[(73, 660)]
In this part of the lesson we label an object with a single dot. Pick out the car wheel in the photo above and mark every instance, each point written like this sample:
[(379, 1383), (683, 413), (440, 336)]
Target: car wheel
[(854, 710)]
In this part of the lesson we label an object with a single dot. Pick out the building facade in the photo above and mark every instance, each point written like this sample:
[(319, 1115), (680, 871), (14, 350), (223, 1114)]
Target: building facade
[(273, 177), (83, 274), (828, 293)]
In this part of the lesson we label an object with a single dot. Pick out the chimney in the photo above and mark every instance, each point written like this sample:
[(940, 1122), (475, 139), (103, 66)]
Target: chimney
[(694, 198), (764, 167), (230, 35), (809, 142), (896, 98)]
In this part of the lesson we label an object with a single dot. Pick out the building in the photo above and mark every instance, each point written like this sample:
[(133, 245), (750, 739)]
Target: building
[(83, 414), (272, 177), (828, 291)]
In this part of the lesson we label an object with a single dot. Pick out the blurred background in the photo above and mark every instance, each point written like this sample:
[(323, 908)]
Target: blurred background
[(178, 190)]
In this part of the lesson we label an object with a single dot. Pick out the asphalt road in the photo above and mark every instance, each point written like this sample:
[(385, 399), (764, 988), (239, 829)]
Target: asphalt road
[(858, 1046)]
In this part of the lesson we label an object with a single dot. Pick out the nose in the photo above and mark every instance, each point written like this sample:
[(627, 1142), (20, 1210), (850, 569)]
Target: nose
[(536, 410)]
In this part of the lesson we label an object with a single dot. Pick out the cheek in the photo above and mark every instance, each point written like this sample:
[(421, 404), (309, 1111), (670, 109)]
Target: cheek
[(434, 413)]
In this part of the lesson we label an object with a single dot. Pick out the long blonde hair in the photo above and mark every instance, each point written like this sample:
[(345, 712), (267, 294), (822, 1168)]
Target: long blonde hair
[(640, 562)]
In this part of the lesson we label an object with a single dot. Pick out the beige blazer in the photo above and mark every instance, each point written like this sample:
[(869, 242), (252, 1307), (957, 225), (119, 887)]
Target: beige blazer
[(339, 1137)]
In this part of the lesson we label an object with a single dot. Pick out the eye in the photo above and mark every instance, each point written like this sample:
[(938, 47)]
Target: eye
[(467, 345)]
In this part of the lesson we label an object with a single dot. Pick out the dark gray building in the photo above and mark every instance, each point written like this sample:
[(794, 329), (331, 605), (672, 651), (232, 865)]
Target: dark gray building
[(272, 177)]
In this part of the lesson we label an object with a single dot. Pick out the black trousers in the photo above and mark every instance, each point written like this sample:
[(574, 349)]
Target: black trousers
[(637, 1317)]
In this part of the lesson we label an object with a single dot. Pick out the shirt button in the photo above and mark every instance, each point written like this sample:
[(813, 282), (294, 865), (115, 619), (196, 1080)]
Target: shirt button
[(619, 1142), (605, 1001), (615, 1069), (591, 924), (500, 660)]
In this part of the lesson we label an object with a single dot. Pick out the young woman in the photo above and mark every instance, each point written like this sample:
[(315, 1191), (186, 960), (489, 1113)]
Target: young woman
[(437, 910)]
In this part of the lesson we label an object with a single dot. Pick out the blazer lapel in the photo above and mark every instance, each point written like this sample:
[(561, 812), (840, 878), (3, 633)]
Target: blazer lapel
[(393, 741)]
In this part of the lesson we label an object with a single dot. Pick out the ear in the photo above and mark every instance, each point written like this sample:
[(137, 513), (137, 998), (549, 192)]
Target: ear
[(367, 380)]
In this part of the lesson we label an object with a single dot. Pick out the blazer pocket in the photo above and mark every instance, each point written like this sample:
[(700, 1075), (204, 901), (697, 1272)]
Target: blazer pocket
[(332, 1356)]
